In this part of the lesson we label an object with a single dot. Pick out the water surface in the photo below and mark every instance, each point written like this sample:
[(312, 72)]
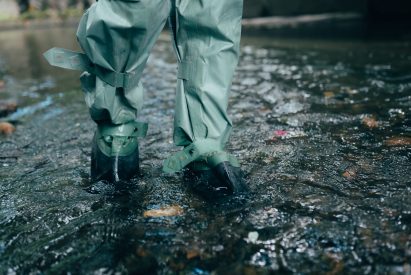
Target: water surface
[(322, 129)]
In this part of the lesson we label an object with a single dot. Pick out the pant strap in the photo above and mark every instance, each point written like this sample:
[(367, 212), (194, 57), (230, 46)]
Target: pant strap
[(71, 60), (131, 129), (207, 151), (114, 140)]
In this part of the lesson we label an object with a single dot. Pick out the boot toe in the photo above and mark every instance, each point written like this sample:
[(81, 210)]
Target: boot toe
[(221, 180)]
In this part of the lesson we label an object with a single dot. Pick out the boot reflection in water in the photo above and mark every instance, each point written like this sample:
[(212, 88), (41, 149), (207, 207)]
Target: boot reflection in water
[(117, 37)]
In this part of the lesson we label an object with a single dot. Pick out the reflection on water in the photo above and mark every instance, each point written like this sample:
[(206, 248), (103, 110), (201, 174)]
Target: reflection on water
[(25, 72), (323, 131)]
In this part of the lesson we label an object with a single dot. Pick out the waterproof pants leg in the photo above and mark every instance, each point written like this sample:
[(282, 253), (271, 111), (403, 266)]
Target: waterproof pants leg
[(117, 37), (207, 38)]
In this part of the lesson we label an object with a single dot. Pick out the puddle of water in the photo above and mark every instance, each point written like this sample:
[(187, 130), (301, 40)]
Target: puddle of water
[(322, 130)]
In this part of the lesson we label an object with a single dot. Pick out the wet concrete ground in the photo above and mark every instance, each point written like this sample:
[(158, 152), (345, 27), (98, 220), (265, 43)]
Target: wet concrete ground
[(322, 129)]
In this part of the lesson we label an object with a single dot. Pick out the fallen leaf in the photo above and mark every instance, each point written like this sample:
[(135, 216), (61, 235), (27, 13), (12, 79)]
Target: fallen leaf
[(370, 122), (6, 128), (167, 211), (328, 94), (191, 254), (398, 141)]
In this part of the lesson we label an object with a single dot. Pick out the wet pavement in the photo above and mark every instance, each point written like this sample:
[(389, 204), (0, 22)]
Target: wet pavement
[(322, 129)]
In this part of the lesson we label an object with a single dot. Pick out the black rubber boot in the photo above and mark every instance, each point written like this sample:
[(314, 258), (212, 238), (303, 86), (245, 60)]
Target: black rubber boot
[(221, 180), (113, 169), (115, 154)]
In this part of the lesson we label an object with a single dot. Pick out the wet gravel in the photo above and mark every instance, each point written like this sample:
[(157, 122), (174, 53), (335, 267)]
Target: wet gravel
[(322, 129)]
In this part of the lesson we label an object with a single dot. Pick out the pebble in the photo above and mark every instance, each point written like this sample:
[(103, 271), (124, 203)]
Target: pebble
[(253, 236), (370, 122), (349, 174)]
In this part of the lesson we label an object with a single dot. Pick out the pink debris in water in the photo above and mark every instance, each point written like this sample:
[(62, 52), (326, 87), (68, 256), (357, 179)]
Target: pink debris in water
[(284, 134), (280, 133)]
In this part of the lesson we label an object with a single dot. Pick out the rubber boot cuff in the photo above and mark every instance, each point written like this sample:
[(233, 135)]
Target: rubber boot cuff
[(115, 152), (119, 140)]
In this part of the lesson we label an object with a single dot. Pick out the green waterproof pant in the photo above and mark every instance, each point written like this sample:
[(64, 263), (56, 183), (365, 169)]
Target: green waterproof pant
[(117, 37)]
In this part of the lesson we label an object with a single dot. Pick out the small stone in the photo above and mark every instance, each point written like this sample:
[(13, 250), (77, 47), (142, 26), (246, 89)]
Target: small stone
[(6, 128), (349, 174), (370, 122), (2, 84), (398, 141), (328, 94), (167, 211), (253, 236), (218, 248)]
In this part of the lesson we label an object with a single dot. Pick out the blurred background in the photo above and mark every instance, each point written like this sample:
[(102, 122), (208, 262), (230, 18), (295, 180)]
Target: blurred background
[(396, 9), (283, 17)]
